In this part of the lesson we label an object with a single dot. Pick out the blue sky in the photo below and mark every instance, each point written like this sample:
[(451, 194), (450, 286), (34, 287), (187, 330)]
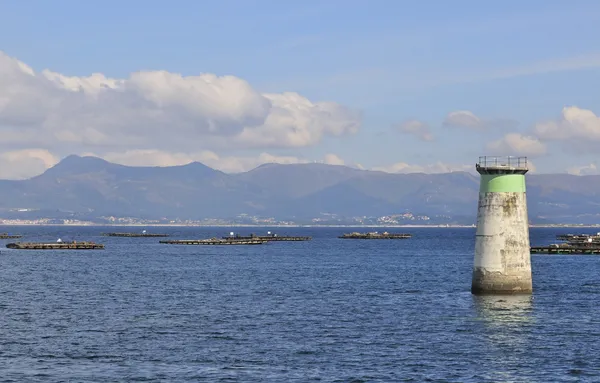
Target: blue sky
[(512, 64)]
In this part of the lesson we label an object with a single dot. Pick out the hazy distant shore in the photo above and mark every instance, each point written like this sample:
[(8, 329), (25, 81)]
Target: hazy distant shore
[(284, 226), (219, 225)]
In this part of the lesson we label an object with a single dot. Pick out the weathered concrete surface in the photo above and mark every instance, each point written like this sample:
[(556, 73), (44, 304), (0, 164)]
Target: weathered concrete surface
[(502, 258)]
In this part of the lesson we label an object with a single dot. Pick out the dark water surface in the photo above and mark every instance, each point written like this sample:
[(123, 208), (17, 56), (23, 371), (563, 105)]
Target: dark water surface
[(328, 310)]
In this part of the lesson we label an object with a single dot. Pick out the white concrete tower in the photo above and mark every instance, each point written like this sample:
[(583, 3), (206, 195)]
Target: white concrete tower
[(502, 258)]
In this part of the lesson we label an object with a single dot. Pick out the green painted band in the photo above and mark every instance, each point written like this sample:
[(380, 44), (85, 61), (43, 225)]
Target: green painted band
[(498, 183)]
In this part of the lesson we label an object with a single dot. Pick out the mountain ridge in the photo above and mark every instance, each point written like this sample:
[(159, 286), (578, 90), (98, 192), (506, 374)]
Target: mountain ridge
[(94, 187)]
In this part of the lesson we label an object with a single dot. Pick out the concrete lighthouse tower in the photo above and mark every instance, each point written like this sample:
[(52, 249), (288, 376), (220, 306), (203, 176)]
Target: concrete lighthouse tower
[(502, 258)]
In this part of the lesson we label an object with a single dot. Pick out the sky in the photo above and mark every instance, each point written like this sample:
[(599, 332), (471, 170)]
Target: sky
[(398, 86)]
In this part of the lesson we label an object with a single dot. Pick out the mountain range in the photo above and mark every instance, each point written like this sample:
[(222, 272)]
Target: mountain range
[(93, 187)]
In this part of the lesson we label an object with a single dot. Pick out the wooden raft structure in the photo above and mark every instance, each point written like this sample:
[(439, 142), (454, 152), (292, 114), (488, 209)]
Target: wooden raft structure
[(574, 244), (564, 250), (55, 246), (8, 236), (134, 235), (578, 237), (215, 241), (269, 238), (375, 235)]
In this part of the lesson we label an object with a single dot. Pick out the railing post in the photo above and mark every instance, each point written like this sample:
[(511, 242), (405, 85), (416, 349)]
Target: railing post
[(513, 162)]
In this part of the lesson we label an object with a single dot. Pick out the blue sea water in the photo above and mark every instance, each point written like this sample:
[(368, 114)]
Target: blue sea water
[(327, 310)]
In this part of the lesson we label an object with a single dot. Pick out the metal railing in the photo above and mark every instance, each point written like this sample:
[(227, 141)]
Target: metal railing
[(503, 162)]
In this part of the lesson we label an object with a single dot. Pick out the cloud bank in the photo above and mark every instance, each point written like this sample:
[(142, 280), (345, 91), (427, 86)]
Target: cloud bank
[(162, 118), (576, 127), (438, 167), (159, 109), (416, 128), (151, 113), (228, 164), (463, 119), (516, 144)]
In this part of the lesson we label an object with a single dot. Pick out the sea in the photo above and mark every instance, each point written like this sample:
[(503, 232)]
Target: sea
[(325, 310)]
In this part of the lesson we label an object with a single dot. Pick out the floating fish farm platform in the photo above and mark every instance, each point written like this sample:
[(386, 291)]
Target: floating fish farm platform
[(384, 235), (134, 235), (8, 236), (269, 238), (215, 241), (578, 237), (573, 244), (564, 250), (55, 246)]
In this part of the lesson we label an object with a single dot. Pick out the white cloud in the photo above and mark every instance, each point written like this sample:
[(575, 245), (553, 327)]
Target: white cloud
[(156, 157), (228, 164), (416, 128), (580, 125), (294, 121), (517, 144), (232, 164), (438, 167), (468, 120), (332, 159), (157, 109), (585, 170), (463, 119), (563, 64), (25, 163)]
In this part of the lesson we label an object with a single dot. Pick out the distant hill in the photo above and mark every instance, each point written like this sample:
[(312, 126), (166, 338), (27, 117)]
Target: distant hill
[(93, 187)]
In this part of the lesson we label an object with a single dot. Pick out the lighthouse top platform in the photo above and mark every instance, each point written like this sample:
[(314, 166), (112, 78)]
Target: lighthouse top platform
[(502, 165)]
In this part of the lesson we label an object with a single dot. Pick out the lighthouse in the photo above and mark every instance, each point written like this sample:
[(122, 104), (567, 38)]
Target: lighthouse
[(502, 254)]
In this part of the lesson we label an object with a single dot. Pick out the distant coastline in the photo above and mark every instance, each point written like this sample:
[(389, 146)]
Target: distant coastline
[(226, 225), (443, 226)]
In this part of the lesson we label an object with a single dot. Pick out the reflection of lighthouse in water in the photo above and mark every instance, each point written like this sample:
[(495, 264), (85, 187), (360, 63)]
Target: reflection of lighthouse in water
[(505, 318), (504, 309), (504, 328)]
